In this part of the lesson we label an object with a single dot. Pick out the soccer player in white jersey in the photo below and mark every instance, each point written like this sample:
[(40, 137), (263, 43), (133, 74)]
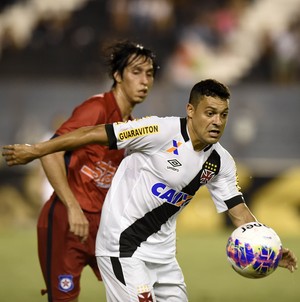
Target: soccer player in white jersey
[(168, 160)]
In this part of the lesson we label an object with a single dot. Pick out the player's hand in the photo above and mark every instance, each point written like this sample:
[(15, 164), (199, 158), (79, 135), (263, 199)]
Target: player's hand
[(18, 154), (288, 260), (79, 225)]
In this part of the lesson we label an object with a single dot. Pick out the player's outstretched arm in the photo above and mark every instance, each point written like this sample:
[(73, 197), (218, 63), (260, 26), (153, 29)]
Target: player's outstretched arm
[(20, 154)]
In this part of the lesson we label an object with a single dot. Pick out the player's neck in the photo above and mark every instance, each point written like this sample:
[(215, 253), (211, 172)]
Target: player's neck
[(125, 106), (198, 145)]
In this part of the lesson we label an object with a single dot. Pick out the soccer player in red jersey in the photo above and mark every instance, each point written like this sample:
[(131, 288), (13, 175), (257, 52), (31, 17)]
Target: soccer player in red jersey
[(69, 220)]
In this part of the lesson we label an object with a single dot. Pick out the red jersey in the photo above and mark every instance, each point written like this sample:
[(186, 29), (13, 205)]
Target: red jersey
[(91, 168)]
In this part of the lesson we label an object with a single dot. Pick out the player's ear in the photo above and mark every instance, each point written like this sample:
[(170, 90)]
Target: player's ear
[(190, 109), (117, 77)]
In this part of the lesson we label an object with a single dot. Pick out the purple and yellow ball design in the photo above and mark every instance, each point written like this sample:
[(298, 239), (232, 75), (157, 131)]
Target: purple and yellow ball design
[(254, 250)]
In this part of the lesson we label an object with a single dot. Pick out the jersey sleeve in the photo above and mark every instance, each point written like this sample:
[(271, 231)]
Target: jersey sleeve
[(145, 134), (224, 188), (89, 113)]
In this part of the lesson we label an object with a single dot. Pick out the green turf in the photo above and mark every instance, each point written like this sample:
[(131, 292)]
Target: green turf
[(202, 257), (210, 278)]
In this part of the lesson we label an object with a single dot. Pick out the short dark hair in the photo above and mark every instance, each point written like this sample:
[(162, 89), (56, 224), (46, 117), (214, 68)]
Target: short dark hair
[(117, 56), (209, 87)]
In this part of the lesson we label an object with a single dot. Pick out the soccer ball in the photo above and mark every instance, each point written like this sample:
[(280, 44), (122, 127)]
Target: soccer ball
[(254, 250)]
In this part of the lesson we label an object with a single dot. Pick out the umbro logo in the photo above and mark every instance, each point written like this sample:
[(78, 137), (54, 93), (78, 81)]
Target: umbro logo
[(174, 163)]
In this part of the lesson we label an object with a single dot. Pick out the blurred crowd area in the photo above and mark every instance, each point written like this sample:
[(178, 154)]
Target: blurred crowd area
[(65, 38)]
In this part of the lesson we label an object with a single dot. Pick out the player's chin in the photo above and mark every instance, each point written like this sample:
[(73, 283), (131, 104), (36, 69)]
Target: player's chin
[(213, 140), (140, 99)]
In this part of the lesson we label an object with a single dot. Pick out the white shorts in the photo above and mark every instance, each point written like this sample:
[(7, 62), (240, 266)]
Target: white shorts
[(134, 280)]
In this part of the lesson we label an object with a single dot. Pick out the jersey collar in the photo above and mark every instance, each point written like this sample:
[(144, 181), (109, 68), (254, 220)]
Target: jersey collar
[(183, 125), (184, 133)]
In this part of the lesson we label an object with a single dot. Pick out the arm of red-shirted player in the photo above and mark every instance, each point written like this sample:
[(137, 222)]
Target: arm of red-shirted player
[(20, 154), (54, 168), (240, 214)]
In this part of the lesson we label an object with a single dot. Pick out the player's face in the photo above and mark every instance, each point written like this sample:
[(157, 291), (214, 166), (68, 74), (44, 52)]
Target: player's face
[(137, 80), (206, 122)]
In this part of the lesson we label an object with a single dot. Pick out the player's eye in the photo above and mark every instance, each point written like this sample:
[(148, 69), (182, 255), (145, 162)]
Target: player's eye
[(225, 114), (150, 74)]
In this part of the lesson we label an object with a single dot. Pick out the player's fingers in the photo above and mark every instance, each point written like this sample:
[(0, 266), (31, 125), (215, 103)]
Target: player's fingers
[(84, 238), (85, 231), (8, 147), (8, 155), (290, 257), (6, 152), (293, 265), (80, 230), (11, 163), (289, 261), (291, 268)]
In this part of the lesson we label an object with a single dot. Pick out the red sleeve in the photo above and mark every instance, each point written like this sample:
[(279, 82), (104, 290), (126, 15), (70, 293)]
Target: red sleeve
[(89, 113)]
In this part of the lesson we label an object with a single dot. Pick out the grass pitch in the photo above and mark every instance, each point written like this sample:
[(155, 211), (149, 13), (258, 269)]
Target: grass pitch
[(208, 276)]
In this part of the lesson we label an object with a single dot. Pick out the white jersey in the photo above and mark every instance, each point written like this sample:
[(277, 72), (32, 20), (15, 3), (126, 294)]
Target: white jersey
[(153, 184)]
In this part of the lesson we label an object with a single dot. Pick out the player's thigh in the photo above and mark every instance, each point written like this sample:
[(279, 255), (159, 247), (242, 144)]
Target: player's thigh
[(61, 254), (170, 285), (126, 279)]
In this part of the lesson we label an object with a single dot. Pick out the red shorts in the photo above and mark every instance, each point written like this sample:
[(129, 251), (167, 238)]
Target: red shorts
[(62, 255)]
